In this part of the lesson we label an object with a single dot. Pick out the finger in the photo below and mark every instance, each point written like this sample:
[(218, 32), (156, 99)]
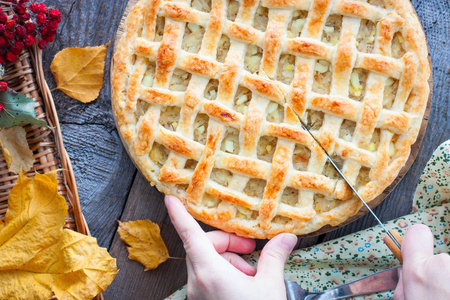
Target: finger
[(417, 244), (189, 266), (275, 253), (224, 241), (398, 293), (239, 263), (196, 243)]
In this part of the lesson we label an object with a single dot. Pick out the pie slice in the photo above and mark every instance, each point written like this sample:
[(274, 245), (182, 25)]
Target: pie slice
[(209, 95)]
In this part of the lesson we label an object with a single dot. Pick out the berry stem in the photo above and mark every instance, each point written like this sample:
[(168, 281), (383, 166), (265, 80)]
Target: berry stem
[(11, 91)]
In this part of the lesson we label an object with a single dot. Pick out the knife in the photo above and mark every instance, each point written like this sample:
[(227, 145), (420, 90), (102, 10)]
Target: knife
[(378, 282), (393, 239)]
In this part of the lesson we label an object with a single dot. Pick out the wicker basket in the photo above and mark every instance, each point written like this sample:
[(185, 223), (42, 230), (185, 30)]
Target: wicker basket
[(26, 76)]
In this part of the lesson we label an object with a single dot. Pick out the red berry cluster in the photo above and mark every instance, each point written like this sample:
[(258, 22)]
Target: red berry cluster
[(26, 25), (3, 86), (47, 21)]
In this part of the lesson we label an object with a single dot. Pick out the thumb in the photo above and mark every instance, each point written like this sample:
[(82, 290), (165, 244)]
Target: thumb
[(398, 293), (417, 245), (275, 253)]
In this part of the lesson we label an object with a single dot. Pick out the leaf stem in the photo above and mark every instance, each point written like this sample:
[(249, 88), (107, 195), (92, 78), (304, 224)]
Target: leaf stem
[(7, 3), (182, 258)]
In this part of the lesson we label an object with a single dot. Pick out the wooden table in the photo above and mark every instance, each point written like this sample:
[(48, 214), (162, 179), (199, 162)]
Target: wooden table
[(112, 189)]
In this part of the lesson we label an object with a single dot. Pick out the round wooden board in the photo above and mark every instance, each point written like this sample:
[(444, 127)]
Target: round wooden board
[(372, 204)]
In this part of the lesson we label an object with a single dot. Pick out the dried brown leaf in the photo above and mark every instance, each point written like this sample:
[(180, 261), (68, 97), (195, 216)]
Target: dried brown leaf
[(15, 149), (147, 245), (38, 257), (78, 72)]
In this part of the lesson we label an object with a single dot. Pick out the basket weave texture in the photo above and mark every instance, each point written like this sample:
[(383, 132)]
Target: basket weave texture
[(27, 77)]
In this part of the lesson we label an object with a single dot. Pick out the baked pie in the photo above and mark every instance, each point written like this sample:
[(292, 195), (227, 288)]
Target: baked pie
[(208, 96)]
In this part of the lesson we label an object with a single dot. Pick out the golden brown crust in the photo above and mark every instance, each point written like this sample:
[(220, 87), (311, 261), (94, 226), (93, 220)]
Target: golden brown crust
[(319, 12), (307, 47), (226, 139)]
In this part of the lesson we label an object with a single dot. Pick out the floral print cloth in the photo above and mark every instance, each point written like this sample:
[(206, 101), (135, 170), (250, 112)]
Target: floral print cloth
[(353, 256)]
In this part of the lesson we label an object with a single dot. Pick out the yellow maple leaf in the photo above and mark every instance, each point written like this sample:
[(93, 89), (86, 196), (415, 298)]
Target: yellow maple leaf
[(147, 245), (15, 149), (38, 257), (78, 72)]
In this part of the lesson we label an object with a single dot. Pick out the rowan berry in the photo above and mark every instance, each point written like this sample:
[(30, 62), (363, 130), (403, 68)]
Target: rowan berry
[(25, 16), (51, 31), (19, 45), (1, 107), (20, 31), (2, 41), (42, 9), (55, 14), (16, 51), (11, 56), (52, 24), (43, 29), (30, 27), (49, 38), (41, 19), (9, 35), (34, 7), (2, 28), (42, 44), (3, 18), (3, 86), (10, 24), (21, 8), (28, 40)]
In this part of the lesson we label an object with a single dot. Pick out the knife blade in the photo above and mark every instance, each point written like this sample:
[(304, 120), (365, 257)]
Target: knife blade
[(395, 240), (377, 282)]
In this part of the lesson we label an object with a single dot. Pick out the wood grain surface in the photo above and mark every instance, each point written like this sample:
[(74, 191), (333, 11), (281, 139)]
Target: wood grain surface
[(112, 189)]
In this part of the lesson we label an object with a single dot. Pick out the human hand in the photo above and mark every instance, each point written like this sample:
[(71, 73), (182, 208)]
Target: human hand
[(214, 269), (424, 275)]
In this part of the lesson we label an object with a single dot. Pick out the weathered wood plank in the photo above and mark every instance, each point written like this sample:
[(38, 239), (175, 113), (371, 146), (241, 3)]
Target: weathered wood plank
[(145, 202), (104, 176)]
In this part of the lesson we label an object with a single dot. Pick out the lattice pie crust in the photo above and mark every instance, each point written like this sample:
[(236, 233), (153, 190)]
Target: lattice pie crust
[(207, 95)]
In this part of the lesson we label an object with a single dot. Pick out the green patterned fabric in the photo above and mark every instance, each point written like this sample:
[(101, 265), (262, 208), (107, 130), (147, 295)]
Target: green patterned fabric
[(342, 260)]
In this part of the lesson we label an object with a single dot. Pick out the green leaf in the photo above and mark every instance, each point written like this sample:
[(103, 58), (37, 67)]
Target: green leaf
[(18, 110)]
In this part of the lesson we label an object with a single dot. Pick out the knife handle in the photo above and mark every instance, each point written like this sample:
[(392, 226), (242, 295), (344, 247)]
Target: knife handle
[(392, 246)]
